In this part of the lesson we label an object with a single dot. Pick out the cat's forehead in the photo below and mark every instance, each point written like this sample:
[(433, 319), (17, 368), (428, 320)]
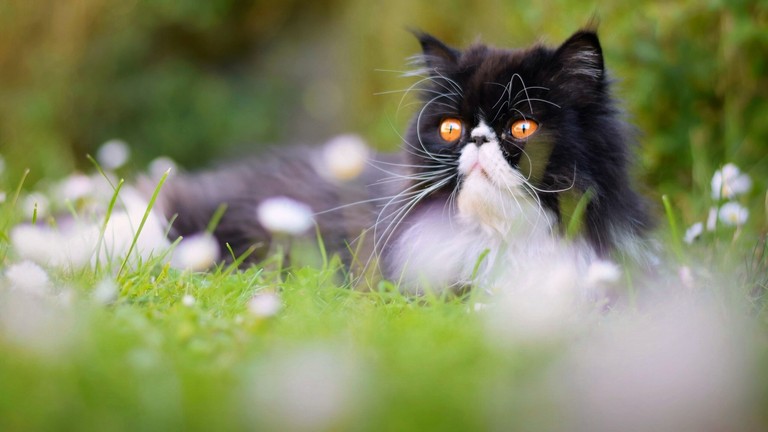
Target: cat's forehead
[(487, 65), (492, 80)]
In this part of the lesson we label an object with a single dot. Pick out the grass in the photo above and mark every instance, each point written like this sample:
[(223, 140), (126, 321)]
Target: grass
[(149, 362), (180, 350)]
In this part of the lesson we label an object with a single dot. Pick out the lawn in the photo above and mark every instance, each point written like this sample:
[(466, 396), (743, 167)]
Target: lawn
[(128, 339)]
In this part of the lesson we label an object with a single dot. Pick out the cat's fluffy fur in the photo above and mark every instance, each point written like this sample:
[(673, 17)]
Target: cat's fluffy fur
[(478, 209)]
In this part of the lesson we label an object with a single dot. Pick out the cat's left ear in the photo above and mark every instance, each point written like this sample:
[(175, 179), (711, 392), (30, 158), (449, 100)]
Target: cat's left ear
[(436, 55), (581, 55)]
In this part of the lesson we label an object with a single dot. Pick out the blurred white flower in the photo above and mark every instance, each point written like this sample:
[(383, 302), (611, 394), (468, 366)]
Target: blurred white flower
[(602, 272), (35, 203), (72, 244), (160, 165), (28, 277), (113, 154), (42, 325), (543, 305), (74, 187), (678, 366), (733, 213), (105, 291), (265, 305), (123, 225), (188, 300), (2, 197), (345, 157), (285, 215), (693, 232), (310, 389), (197, 252), (729, 182), (64, 247)]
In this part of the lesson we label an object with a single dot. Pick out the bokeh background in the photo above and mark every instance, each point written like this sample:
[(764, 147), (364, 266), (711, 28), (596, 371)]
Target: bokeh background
[(199, 81)]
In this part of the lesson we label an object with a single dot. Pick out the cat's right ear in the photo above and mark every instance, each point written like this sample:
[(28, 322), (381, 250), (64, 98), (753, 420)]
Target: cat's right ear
[(436, 55)]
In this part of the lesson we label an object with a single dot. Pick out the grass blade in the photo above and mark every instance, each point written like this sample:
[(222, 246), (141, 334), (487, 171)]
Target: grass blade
[(144, 220), (677, 246), (216, 218), (576, 221)]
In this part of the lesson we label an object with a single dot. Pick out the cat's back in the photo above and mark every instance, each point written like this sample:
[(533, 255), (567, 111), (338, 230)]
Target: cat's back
[(343, 206)]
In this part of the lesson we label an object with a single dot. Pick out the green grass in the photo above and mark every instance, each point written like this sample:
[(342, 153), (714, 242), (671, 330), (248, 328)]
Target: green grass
[(386, 361), (148, 362)]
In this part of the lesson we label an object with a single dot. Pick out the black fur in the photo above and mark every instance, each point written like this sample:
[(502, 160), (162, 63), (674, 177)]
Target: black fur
[(567, 92)]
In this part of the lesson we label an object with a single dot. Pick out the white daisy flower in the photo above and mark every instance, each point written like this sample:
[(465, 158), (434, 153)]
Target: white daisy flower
[(310, 389), (106, 291), (74, 187), (42, 325), (285, 215), (729, 182), (265, 305), (188, 300), (160, 165), (28, 277), (733, 213), (676, 367), (35, 204), (197, 252), (68, 247), (113, 154), (344, 157)]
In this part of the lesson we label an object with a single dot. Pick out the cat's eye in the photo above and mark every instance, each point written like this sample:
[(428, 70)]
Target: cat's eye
[(522, 129), (450, 129)]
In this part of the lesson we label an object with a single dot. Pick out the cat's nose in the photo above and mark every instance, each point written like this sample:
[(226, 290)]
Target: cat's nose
[(482, 134), (480, 140)]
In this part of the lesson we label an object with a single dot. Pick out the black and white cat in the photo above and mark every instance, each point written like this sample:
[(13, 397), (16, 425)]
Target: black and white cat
[(504, 148)]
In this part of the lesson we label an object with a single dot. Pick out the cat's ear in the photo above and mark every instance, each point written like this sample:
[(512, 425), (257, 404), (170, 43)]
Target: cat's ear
[(582, 56), (435, 54)]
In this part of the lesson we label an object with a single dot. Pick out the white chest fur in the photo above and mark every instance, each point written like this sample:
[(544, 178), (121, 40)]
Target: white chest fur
[(438, 250), (498, 233)]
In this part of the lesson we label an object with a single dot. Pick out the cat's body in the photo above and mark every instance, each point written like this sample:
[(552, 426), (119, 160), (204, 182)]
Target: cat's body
[(507, 144)]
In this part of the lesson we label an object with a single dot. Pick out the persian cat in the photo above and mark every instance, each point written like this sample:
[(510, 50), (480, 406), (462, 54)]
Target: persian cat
[(514, 158)]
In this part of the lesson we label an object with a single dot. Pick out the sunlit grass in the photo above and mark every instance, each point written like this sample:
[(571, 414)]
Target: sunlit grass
[(147, 344)]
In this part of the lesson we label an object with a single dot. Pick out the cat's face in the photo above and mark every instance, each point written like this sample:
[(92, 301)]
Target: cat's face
[(499, 128)]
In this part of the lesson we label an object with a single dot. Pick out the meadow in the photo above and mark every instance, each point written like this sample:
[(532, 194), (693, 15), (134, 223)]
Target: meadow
[(105, 325)]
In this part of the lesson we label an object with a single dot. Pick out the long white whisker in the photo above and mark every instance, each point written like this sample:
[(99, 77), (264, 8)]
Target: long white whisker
[(403, 212)]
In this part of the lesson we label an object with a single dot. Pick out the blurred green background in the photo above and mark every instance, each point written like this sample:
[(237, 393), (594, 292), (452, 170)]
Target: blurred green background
[(199, 81)]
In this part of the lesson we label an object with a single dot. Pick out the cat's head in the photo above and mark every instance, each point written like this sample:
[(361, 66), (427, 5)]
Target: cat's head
[(501, 127)]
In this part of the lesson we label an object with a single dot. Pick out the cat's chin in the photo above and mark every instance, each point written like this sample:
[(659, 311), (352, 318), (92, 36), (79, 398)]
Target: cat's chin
[(500, 210)]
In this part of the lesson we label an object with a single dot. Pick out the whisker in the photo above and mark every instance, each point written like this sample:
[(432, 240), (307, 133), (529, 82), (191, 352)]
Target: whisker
[(403, 212), (374, 162), (529, 100)]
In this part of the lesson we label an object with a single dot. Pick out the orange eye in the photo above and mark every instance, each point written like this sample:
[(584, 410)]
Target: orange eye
[(522, 129), (450, 129)]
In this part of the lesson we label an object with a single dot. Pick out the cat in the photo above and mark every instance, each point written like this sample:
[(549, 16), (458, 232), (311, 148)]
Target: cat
[(514, 157)]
